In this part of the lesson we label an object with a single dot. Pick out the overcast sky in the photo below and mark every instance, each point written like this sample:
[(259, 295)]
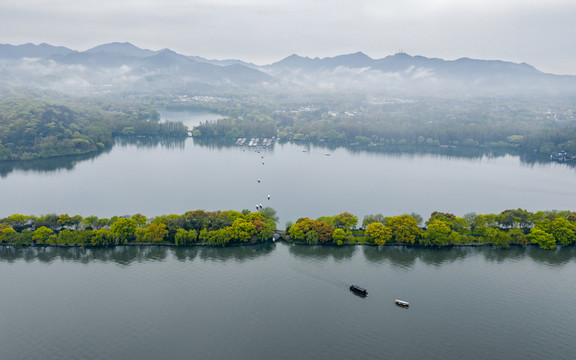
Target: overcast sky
[(539, 32)]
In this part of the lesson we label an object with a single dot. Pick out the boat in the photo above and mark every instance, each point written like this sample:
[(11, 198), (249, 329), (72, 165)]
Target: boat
[(358, 290), (401, 303)]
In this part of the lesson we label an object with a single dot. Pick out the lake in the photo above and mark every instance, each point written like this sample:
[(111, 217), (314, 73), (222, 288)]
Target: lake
[(280, 301), (172, 177)]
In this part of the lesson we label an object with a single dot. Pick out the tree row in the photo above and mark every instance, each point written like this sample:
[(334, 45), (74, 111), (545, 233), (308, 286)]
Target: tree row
[(546, 229)]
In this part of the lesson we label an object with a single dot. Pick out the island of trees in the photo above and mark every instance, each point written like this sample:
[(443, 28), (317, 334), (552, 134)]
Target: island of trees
[(36, 129), (546, 229)]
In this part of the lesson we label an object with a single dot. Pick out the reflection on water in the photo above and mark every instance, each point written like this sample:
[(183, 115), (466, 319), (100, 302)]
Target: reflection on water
[(555, 258), (399, 256), (236, 254), (405, 151), (322, 252), (152, 142), (127, 255), (69, 162), (405, 257), (46, 165)]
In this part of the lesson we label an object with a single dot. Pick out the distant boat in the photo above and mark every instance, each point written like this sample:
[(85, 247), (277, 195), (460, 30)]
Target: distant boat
[(358, 290), (401, 303)]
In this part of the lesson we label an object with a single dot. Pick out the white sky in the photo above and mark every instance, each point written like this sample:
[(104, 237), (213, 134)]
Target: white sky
[(539, 32)]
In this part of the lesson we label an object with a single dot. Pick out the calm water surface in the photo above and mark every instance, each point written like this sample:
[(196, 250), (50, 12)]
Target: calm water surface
[(287, 302), (167, 177)]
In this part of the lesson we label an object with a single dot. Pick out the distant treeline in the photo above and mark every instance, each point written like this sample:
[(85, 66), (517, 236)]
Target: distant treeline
[(547, 229), (530, 125), (32, 128)]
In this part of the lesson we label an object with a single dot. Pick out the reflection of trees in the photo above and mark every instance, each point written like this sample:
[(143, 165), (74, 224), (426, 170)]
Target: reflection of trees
[(400, 256), (532, 159), (69, 162), (236, 253), (406, 257), (122, 255), (126, 255), (185, 253), (448, 152), (323, 252), (152, 141), (46, 165), (440, 256), (553, 258), (502, 255)]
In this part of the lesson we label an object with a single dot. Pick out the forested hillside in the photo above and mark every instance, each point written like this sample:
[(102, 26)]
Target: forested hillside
[(31, 128)]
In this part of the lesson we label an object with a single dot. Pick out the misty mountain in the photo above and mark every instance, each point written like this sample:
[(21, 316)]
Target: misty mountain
[(356, 60), (418, 74), (126, 49), (119, 67), (225, 62), (123, 67), (31, 51)]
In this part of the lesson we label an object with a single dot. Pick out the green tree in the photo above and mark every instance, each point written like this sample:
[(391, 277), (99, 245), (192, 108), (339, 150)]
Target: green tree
[(7, 233), (404, 229), (518, 218), (339, 236), (378, 233), (203, 236), (65, 236), (140, 219), (563, 230), (157, 231), (368, 219), (437, 234), (49, 220), (517, 235), (345, 220), (498, 237), (19, 222), (312, 237), (42, 234), (220, 237), (541, 238), (101, 237), (123, 230), (185, 237), (242, 230), (65, 220)]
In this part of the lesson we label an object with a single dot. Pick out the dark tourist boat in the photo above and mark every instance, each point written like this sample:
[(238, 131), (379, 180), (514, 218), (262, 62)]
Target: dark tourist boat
[(401, 303), (358, 290)]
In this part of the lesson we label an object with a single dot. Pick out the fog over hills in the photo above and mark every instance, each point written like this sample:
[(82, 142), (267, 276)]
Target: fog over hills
[(123, 67)]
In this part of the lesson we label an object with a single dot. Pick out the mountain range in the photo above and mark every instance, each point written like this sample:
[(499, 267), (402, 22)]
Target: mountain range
[(123, 67)]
